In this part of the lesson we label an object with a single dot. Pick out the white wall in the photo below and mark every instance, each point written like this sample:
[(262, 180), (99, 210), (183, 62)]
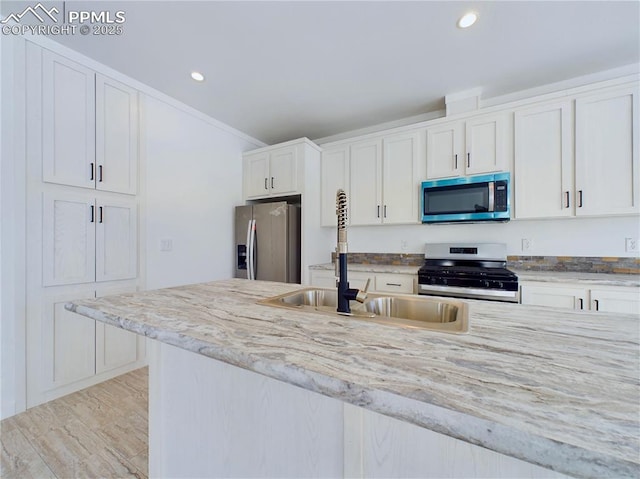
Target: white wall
[(192, 171), (12, 229), (558, 237)]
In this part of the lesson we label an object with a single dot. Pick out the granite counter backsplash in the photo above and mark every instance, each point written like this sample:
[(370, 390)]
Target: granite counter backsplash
[(577, 264)]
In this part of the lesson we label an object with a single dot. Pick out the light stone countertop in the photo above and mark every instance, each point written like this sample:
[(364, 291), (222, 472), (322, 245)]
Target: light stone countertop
[(588, 279), (558, 389)]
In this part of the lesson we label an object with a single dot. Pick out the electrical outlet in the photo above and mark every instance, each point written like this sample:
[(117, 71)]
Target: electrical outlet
[(631, 245), (166, 244), (527, 244)]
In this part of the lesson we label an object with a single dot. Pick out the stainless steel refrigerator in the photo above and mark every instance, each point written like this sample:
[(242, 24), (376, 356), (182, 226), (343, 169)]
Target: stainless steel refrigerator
[(268, 242)]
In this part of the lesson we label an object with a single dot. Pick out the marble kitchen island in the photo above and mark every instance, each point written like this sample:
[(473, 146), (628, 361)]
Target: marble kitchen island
[(527, 388)]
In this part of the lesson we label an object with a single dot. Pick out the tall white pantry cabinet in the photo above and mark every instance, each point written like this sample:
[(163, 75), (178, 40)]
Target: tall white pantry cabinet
[(82, 225)]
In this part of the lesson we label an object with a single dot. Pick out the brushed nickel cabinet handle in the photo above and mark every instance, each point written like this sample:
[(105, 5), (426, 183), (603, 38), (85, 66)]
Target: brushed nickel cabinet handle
[(92, 214), (579, 198), (100, 173), (272, 182), (378, 211), (100, 220), (468, 160), (385, 211), (92, 172), (394, 284), (455, 162), (567, 194), (265, 184)]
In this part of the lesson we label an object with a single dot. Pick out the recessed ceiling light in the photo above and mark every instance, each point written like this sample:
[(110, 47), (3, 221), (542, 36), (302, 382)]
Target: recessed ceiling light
[(197, 76), (467, 20)]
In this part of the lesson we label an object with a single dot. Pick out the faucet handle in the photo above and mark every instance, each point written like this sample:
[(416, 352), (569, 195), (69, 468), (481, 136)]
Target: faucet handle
[(362, 294)]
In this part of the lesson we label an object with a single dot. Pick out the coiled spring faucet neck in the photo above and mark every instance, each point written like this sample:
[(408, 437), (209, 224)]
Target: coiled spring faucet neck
[(341, 211), (345, 294)]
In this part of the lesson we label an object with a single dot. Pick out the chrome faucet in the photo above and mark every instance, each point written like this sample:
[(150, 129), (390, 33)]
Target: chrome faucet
[(345, 294)]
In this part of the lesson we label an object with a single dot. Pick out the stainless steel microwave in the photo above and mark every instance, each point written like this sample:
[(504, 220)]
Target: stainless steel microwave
[(468, 199)]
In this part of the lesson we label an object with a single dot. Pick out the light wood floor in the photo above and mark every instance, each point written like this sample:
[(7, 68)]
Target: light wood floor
[(101, 432)]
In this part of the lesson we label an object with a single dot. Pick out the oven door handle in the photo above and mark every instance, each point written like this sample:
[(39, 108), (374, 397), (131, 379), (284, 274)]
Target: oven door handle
[(461, 292)]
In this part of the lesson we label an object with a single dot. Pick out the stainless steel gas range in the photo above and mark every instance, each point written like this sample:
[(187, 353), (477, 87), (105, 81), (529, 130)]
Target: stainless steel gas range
[(465, 270)]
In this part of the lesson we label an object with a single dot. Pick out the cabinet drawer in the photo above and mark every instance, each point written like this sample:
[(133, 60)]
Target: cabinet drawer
[(395, 283)]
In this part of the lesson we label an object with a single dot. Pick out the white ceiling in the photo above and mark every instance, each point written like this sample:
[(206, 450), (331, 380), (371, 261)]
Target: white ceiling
[(282, 70)]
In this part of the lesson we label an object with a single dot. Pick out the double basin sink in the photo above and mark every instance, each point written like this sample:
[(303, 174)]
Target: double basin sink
[(405, 311)]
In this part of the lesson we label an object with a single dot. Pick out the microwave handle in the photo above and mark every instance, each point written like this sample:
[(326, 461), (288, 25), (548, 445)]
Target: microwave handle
[(492, 199)]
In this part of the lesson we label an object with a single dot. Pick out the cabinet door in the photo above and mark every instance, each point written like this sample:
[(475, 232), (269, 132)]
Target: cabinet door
[(557, 296), (115, 347), (623, 300), (323, 279), (607, 174), (68, 243), (445, 150), (283, 171), (68, 122), (400, 179), (116, 136), (334, 176), (485, 144), (544, 162), (396, 283), (116, 240), (365, 180), (256, 174), (68, 340)]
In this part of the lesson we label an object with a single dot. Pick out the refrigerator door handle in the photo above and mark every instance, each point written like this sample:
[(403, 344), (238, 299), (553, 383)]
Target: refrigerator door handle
[(254, 253), (249, 262)]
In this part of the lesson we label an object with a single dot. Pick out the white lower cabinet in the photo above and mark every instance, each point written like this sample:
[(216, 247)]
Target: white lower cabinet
[(69, 352), (579, 297), (87, 239), (379, 282), (68, 341)]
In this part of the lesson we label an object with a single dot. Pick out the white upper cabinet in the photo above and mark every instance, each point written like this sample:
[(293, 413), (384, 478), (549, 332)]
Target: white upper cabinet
[(544, 161), (283, 173), (485, 141), (273, 172), (365, 180), (116, 239), (89, 128), (401, 178), (384, 179), (68, 224), (607, 174), (334, 176), (87, 240), (68, 122), (445, 150), (467, 147), (116, 136)]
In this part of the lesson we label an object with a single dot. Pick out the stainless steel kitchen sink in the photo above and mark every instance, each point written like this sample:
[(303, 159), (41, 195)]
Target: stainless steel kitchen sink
[(405, 311)]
